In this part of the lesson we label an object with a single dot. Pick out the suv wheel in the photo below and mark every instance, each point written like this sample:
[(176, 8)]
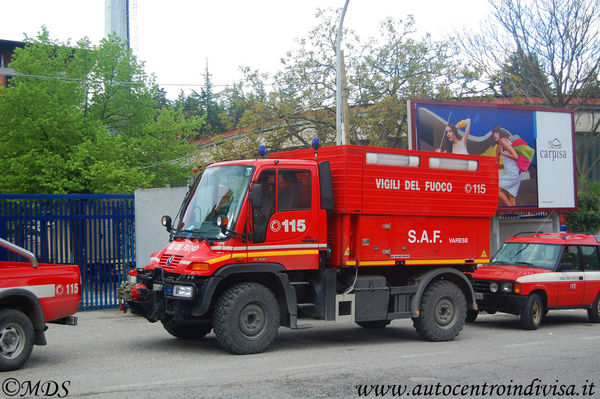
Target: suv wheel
[(532, 313), (594, 312), (16, 339)]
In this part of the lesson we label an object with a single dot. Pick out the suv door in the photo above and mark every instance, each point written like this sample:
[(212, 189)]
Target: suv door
[(590, 258), (571, 284)]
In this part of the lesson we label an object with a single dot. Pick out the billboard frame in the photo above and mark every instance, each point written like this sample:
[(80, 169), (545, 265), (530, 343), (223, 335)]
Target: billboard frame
[(414, 140)]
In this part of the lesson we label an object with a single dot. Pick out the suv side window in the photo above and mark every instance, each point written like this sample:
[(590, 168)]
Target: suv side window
[(570, 258), (590, 258)]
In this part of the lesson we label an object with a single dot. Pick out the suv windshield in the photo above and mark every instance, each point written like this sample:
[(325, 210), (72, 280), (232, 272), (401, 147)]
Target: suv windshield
[(220, 192), (543, 256)]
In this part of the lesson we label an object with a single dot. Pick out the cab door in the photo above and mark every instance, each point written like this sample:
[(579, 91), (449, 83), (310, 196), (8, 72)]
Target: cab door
[(291, 230), (571, 284)]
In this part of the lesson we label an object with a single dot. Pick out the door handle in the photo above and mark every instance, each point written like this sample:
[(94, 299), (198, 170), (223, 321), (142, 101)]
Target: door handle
[(309, 240)]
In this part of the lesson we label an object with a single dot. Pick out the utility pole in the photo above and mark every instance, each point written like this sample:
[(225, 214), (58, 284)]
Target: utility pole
[(339, 118), (345, 112)]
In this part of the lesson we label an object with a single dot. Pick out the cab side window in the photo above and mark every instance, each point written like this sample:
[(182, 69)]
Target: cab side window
[(590, 258), (570, 258), (293, 190)]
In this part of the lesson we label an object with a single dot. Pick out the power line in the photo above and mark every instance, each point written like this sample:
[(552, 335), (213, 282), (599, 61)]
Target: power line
[(115, 82)]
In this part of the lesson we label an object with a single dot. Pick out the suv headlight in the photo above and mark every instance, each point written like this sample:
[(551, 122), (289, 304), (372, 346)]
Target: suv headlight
[(183, 291), (494, 287), (506, 287)]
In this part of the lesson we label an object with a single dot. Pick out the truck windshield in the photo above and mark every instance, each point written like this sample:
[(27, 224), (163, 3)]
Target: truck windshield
[(220, 192), (544, 256)]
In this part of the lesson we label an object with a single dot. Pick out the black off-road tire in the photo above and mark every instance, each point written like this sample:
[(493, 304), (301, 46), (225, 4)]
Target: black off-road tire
[(246, 318), (442, 312), (532, 313), (373, 325), (471, 315), (594, 311), (16, 339), (187, 330)]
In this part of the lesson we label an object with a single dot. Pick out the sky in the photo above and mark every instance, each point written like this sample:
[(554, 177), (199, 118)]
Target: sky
[(177, 38)]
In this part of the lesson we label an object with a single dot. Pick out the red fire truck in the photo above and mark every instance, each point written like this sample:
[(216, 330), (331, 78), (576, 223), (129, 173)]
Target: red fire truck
[(352, 233), (31, 295)]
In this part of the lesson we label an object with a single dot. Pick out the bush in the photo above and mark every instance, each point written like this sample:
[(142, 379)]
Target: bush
[(587, 217)]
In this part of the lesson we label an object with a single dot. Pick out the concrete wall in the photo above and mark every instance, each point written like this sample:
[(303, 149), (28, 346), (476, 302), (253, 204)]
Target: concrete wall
[(501, 229), (150, 206)]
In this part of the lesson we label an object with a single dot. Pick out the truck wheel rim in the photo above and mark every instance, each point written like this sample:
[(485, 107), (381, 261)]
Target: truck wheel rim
[(444, 312), (12, 340), (252, 320)]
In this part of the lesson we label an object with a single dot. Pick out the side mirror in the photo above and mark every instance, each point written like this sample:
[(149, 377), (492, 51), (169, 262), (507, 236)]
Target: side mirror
[(222, 223), (167, 222), (256, 196)]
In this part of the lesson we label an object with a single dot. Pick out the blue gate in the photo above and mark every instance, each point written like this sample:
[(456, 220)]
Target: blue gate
[(95, 232)]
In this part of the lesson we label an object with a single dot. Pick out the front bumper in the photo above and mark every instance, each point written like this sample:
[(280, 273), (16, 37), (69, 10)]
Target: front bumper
[(152, 295), (500, 302)]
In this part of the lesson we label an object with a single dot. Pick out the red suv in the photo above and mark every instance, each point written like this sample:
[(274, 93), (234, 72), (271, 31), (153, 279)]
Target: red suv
[(534, 273)]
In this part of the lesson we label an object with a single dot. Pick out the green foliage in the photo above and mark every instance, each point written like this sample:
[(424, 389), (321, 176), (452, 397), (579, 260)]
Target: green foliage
[(587, 217), (83, 119), (381, 76)]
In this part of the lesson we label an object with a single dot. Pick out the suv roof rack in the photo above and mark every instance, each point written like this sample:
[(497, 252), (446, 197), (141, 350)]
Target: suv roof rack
[(524, 233), (561, 234)]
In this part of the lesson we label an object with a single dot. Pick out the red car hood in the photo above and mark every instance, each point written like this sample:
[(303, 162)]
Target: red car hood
[(505, 272)]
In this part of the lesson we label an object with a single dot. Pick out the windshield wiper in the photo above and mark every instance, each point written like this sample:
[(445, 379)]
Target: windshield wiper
[(524, 263), (193, 233)]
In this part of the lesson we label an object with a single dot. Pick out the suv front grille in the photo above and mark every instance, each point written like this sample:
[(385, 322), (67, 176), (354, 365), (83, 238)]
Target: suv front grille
[(481, 285)]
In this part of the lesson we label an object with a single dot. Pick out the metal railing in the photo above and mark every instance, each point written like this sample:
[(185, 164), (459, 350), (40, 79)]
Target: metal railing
[(95, 232)]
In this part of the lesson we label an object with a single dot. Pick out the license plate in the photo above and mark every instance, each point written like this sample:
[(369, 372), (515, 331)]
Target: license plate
[(157, 287), (479, 295)]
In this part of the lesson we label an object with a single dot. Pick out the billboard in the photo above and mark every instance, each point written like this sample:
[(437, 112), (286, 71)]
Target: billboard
[(535, 147)]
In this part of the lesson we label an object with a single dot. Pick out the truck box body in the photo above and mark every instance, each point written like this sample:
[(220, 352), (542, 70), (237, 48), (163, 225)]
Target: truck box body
[(394, 206)]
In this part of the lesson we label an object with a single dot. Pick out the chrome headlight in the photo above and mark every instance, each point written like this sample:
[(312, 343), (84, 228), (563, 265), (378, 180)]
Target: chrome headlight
[(183, 291), (494, 287)]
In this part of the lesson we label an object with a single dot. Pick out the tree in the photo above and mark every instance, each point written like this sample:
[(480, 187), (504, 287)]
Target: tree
[(515, 79), (548, 50), (83, 119), (204, 105), (395, 69), (382, 75)]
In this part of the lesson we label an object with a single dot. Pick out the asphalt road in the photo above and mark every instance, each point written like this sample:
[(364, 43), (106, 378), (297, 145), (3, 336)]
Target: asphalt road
[(112, 355)]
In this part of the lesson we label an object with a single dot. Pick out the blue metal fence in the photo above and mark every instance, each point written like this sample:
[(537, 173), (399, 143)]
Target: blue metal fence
[(95, 232)]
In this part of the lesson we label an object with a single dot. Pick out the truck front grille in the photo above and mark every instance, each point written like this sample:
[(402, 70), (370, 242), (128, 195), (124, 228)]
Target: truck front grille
[(172, 264)]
